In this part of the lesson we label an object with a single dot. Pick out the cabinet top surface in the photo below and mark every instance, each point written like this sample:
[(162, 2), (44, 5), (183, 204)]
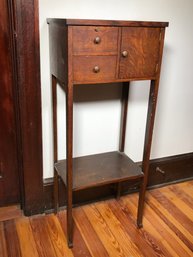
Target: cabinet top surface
[(114, 23)]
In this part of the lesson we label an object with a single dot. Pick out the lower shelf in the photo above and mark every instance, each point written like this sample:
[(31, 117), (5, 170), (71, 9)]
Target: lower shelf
[(100, 169)]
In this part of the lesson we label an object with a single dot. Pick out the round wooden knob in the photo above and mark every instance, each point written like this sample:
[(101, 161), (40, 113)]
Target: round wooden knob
[(97, 40), (96, 69), (124, 53)]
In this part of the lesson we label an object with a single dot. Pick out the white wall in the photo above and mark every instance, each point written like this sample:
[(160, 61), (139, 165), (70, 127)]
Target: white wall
[(97, 122)]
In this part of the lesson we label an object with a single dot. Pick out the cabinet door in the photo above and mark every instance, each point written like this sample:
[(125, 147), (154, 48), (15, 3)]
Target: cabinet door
[(9, 180), (139, 52)]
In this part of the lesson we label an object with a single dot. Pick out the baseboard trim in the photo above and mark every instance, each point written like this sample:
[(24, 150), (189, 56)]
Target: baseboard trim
[(163, 171)]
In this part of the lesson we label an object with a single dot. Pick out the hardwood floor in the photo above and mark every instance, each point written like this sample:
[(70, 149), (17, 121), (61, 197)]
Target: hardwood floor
[(108, 228), (10, 212)]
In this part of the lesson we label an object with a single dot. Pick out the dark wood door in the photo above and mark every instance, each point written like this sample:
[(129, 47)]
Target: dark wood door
[(140, 52), (9, 178)]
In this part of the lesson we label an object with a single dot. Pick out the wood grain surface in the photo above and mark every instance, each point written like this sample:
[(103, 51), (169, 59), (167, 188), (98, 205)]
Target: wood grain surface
[(10, 212), (85, 40), (100, 169), (108, 228), (114, 23), (142, 45), (9, 168)]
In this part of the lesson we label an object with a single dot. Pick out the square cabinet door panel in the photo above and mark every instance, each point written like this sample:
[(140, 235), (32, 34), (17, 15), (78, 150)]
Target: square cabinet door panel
[(142, 52)]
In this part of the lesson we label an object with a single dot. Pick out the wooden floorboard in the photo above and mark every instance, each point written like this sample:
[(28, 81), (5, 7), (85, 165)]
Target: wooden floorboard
[(10, 212), (106, 228)]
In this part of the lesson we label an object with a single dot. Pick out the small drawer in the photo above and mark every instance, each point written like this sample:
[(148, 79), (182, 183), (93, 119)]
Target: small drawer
[(94, 68), (94, 40)]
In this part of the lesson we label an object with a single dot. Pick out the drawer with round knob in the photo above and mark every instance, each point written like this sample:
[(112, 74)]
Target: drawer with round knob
[(94, 40), (94, 68)]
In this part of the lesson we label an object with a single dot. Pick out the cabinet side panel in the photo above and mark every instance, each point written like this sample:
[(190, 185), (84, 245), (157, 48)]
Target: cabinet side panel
[(58, 51)]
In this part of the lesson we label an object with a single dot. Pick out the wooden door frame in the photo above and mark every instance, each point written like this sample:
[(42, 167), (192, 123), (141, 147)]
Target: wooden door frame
[(25, 24)]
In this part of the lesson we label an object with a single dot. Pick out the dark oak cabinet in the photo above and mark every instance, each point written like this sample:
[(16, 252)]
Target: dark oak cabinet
[(93, 51)]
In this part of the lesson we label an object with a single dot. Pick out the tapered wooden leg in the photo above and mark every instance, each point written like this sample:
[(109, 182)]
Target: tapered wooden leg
[(124, 101), (54, 105), (69, 136), (147, 147), (124, 104)]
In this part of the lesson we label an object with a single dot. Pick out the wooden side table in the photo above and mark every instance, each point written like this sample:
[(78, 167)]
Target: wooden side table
[(99, 51)]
